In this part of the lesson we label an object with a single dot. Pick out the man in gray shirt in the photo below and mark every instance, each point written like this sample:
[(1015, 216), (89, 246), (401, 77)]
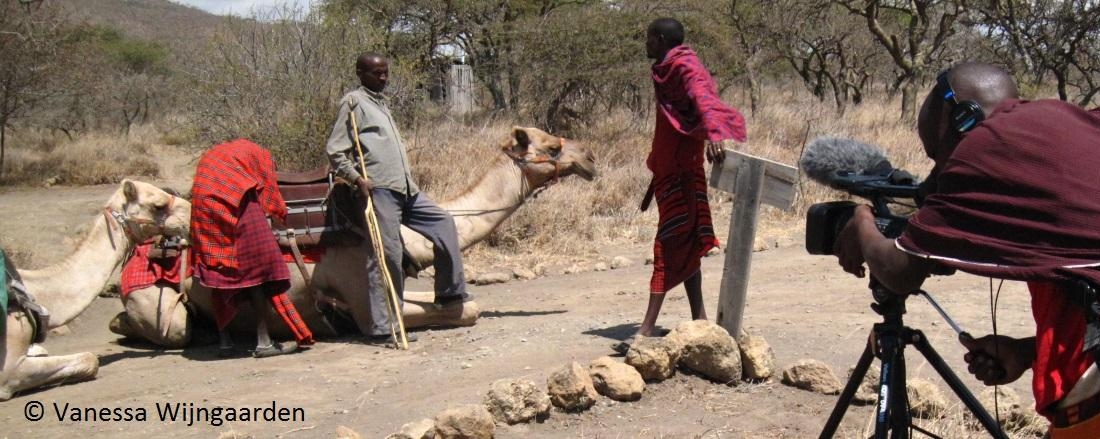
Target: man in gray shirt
[(397, 200)]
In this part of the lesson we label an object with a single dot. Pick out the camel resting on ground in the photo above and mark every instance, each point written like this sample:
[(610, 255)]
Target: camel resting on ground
[(137, 211), (532, 159)]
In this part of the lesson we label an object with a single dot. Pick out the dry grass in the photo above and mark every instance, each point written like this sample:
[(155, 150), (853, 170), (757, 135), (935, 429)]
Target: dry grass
[(42, 157)]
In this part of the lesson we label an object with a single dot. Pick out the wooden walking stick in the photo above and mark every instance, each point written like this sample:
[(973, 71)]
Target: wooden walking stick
[(376, 241)]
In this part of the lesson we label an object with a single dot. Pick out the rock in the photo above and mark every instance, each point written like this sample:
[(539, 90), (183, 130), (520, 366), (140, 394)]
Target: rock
[(343, 432), (620, 262), (571, 388), (649, 260), (600, 266), (516, 401), (655, 358), (616, 380), (471, 421), (573, 269), (540, 269), (496, 277), (867, 393), (709, 350), (926, 400), (524, 274), (757, 358), (760, 244), (415, 430), (811, 375)]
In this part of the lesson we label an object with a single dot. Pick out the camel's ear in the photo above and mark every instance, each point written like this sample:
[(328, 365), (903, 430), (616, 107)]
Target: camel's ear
[(129, 190), (522, 139)]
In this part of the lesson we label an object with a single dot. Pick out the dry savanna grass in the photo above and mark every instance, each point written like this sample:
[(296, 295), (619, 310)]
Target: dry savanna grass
[(43, 157)]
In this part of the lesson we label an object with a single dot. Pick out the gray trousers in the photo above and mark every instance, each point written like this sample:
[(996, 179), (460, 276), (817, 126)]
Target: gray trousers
[(421, 214)]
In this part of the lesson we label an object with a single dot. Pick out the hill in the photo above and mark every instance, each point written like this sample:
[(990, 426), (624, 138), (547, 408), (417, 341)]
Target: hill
[(171, 24)]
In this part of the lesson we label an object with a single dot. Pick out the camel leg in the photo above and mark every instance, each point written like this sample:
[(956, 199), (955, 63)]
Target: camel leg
[(20, 372), (157, 315), (419, 311)]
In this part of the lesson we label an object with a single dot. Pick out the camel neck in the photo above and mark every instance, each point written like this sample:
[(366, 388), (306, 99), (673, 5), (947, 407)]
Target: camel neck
[(67, 288)]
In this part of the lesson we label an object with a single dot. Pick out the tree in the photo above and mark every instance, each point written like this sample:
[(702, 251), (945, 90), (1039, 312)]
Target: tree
[(31, 38), (913, 33), (1053, 38)]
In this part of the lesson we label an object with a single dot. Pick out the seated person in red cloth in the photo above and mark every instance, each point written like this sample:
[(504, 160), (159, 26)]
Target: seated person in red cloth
[(235, 253), (1014, 196), (689, 113)]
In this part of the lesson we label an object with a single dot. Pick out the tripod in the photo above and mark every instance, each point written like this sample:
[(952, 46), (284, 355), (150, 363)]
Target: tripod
[(887, 343)]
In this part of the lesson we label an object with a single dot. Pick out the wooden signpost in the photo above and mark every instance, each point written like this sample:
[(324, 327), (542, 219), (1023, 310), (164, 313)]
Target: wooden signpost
[(752, 181)]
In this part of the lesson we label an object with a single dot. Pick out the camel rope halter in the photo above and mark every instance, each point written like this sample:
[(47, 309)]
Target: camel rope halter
[(132, 227)]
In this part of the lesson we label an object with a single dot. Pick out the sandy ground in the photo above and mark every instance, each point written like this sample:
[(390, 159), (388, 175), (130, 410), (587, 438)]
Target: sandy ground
[(804, 305)]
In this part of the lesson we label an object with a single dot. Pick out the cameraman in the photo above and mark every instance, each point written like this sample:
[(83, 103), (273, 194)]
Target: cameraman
[(1013, 196)]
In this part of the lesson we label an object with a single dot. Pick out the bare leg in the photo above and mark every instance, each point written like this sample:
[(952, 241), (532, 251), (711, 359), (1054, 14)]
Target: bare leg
[(651, 312), (259, 306), (694, 287)]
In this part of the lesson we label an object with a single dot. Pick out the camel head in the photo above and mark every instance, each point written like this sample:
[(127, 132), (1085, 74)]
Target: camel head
[(145, 211), (546, 158)]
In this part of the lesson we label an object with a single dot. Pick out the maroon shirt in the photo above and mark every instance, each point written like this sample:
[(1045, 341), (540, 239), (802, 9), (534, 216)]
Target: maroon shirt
[(1019, 199)]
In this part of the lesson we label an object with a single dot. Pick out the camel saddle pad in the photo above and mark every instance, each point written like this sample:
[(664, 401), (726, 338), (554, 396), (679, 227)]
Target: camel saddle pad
[(320, 212)]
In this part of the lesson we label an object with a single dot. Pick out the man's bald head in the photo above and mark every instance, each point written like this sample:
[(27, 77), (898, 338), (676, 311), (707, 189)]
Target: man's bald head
[(985, 84), (373, 71)]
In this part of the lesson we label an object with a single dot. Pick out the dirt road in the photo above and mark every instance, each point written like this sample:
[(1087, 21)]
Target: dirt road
[(803, 305)]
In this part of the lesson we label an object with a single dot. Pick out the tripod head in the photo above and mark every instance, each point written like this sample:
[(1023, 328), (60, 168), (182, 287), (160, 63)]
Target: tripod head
[(888, 304)]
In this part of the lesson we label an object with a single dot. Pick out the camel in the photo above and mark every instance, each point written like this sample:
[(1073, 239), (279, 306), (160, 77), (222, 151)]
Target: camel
[(135, 212), (532, 159)]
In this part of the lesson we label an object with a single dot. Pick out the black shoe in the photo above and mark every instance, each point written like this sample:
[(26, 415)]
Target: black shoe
[(442, 301)]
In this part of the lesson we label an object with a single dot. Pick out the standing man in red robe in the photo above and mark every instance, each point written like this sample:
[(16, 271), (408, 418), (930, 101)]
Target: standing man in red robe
[(690, 118), (235, 253)]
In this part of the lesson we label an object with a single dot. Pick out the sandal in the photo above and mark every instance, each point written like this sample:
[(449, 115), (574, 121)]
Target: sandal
[(275, 349)]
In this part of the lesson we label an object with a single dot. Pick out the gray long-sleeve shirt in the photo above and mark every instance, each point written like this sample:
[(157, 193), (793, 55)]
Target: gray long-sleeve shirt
[(383, 151)]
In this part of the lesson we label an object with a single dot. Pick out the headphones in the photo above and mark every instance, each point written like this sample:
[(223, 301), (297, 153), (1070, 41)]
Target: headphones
[(965, 115)]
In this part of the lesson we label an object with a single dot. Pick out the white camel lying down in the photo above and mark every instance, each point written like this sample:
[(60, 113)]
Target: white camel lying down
[(137, 211), (533, 159)]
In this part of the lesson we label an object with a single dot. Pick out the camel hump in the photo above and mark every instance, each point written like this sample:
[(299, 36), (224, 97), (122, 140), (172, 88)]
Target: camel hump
[(318, 175)]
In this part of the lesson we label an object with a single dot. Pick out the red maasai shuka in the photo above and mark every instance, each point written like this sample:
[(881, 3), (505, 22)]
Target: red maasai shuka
[(684, 229), (222, 177), (1018, 200), (140, 271), (689, 112), (688, 96)]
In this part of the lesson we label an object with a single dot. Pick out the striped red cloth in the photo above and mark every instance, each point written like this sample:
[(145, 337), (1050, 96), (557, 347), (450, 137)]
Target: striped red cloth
[(140, 271), (285, 308), (222, 177), (684, 229)]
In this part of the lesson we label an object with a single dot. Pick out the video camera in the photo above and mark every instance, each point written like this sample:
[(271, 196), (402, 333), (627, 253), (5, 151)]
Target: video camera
[(861, 170)]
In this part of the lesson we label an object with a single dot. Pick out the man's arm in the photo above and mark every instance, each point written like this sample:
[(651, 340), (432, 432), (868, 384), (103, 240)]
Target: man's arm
[(860, 241), (341, 144)]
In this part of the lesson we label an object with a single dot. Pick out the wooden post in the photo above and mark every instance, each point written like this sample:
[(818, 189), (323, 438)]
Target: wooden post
[(752, 181)]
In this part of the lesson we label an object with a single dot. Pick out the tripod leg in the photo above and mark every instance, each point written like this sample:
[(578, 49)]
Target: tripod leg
[(899, 417), (917, 339), (849, 392), (892, 413)]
